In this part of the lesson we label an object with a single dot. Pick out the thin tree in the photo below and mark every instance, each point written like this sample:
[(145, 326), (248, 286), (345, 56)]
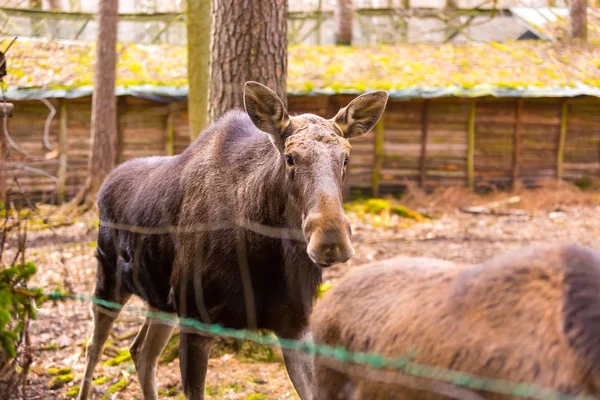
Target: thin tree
[(450, 9), (3, 170), (54, 5), (247, 43), (343, 15), (578, 19), (198, 39), (35, 5), (403, 26), (74, 5), (103, 142)]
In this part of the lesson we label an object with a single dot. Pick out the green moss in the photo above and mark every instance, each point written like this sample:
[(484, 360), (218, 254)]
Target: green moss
[(60, 380), (379, 206), (257, 396), (100, 381), (212, 390), (584, 183), (517, 64), (407, 213), (123, 356), (171, 351), (224, 390), (49, 347), (322, 289), (117, 387), (73, 392), (251, 351), (168, 392), (234, 387), (247, 351), (59, 371)]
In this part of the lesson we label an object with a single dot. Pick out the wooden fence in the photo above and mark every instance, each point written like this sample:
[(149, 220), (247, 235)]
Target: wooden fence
[(449, 141)]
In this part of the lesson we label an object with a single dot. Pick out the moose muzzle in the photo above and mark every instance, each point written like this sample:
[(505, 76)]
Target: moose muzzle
[(328, 239)]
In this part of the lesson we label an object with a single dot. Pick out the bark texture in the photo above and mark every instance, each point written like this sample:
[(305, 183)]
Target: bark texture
[(198, 38), (578, 19), (343, 16), (3, 168), (248, 42), (103, 143), (451, 10), (54, 5)]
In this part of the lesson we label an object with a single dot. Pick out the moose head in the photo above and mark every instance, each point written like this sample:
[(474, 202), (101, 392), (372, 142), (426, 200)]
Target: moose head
[(315, 153)]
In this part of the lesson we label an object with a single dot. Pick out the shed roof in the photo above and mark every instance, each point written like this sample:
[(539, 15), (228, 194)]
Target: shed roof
[(553, 22), (38, 69)]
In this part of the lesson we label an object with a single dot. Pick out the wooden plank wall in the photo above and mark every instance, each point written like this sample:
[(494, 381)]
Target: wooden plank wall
[(514, 141), (27, 162)]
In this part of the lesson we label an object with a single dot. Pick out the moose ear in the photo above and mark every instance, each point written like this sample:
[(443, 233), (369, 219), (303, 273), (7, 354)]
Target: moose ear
[(266, 111), (358, 117)]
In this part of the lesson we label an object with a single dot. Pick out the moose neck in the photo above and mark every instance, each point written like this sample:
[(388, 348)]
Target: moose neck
[(265, 197)]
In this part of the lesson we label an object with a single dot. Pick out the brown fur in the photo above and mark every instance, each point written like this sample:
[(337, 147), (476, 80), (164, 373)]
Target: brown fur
[(531, 315), (240, 225)]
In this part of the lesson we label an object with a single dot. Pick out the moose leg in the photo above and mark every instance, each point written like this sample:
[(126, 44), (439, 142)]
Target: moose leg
[(333, 383), (300, 368), (103, 322), (194, 351), (146, 350)]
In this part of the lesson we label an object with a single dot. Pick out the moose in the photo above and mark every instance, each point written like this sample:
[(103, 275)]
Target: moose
[(530, 315), (233, 231)]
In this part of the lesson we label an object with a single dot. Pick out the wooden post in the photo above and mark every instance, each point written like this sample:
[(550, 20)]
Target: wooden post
[(319, 21), (170, 133), (6, 110), (62, 151), (121, 124), (471, 148), (377, 156), (562, 136), (516, 145), (424, 131)]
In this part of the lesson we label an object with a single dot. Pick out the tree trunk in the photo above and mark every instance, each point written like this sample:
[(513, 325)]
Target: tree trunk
[(578, 19), (247, 43), (403, 26), (343, 15), (74, 5), (33, 21), (198, 38), (450, 9), (103, 148), (6, 111), (54, 5), (3, 169)]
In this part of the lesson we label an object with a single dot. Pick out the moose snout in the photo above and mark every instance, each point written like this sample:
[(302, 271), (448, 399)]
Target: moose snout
[(328, 240)]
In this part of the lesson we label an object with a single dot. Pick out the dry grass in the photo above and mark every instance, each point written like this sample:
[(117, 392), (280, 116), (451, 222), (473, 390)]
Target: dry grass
[(548, 195)]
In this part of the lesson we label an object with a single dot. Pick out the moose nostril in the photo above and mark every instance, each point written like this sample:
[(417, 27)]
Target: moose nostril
[(330, 251)]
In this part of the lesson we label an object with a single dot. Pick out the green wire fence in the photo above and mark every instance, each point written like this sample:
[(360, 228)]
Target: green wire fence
[(401, 364)]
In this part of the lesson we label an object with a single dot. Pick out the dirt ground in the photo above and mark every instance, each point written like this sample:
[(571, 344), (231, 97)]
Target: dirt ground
[(65, 260)]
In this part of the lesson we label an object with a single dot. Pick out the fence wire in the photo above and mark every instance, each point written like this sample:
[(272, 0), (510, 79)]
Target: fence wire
[(339, 354)]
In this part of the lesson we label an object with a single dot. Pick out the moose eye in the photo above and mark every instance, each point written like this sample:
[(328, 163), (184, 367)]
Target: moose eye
[(346, 161), (289, 160)]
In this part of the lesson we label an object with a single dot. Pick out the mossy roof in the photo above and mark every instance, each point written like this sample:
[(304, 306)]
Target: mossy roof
[(528, 68)]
